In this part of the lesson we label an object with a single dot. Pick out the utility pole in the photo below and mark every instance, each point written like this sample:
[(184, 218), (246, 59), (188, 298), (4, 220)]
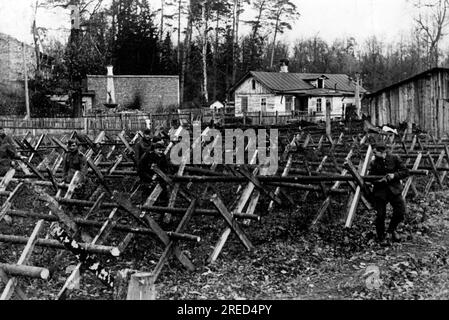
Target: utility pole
[(358, 106), (74, 43), (25, 72)]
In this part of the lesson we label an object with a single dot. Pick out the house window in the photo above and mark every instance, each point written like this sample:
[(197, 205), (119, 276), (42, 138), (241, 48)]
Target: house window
[(263, 104), (320, 83), (253, 83), (288, 103), (244, 103), (318, 105)]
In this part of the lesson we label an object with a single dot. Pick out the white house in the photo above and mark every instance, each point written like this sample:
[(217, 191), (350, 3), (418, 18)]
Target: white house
[(285, 92)]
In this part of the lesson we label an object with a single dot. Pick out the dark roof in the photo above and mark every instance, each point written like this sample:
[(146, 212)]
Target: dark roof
[(414, 77), (151, 76), (278, 81), (295, 82), (321, 92)]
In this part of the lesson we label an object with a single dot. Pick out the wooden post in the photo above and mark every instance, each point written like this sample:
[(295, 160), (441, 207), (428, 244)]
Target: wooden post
[(25, 72), (86, 125), (358, 106), (328, 120), (141, 287)]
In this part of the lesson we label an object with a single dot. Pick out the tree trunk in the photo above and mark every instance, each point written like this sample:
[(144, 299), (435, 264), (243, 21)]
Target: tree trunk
[(162, 20), (274, 39), (36, 45), (185, 54), (179, 34), (216, 55), (234, 40), (204, 51)]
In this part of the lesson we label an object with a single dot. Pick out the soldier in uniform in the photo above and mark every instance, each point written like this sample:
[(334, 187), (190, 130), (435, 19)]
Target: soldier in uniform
[(388, 190), (8, 153), (73, 161), (148, 177), (144, 145)]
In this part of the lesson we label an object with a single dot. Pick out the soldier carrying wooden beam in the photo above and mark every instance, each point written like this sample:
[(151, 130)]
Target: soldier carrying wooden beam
[(388, 190)]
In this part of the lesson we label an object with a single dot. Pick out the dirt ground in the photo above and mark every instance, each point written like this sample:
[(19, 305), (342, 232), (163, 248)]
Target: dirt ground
[(291, 261)]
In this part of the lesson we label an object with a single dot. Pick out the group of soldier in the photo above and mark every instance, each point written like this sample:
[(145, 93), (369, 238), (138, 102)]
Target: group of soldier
[(150, 150)]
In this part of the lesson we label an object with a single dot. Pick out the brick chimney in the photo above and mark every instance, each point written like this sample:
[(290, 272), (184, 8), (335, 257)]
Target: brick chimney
[(74, 15), (110, 97), (284, 66)]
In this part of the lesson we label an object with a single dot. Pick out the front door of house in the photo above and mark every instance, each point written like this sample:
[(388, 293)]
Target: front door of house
[(302, 104)]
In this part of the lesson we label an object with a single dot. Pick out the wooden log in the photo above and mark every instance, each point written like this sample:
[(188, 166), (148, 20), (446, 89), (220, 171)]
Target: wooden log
[(215, 199), (161, 234), (306, 187), (435, 167), (141, 287), (409, 181), (8, 202), (357, 194), (17, 270), (258, 185), (23, 260), (98, 249), (6, 179), (171, 244), (19, 291), (183, 236)]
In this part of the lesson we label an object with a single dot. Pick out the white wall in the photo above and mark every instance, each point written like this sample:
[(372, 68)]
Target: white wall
[(337, 104)]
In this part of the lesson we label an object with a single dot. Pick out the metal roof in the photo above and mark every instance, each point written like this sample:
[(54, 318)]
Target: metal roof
[(284, 81), (412, 78)]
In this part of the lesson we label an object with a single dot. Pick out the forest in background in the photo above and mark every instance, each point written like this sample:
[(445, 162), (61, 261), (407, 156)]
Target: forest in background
[(202, 42)]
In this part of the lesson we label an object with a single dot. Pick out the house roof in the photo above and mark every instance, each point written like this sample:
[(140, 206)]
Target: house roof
[(321, 92), (132, 76), (414, 77), (298, 82)]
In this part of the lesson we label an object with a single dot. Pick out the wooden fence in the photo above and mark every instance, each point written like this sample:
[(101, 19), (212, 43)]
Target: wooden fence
[(117, 122)]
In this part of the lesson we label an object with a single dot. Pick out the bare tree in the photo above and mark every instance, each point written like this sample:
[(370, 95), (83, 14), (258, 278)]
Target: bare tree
[(432, 22)]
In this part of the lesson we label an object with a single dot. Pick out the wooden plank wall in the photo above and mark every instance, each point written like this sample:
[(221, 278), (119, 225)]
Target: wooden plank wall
[(423, 99)]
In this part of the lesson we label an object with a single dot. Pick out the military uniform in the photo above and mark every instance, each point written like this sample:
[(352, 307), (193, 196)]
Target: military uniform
[(146, 174), (7, 154), (73, 161), (385, 192)]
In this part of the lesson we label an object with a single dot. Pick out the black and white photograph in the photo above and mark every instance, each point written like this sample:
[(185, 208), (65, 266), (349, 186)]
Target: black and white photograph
[(224, 155)]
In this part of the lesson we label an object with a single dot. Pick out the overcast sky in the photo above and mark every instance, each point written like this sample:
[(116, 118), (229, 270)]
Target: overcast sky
[(329, 19)]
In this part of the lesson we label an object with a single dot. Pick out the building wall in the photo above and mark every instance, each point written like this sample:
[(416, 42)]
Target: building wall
[(153, 91), (275, 102), (12, 95), (278, 103), (338, 106), (421, 101)]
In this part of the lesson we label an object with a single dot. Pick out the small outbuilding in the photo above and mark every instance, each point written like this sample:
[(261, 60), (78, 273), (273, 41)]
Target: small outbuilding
[(422, 100)]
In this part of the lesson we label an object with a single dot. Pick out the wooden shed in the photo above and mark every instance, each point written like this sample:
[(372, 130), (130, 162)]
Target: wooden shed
[(422, 100)]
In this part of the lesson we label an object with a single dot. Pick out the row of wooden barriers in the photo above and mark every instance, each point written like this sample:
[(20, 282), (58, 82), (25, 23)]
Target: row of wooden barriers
[(310, 163)]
